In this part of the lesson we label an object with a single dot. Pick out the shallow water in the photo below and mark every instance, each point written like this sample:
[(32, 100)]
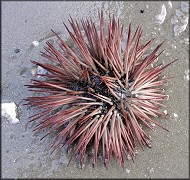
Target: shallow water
[(24, 155)]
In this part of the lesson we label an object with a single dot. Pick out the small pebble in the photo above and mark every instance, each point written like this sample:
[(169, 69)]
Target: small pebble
[(175, 116), (129, 157), (17, 50), (35, 43), (127, 171), (142, 11), (136, 152), (165, 111), (151, 170)]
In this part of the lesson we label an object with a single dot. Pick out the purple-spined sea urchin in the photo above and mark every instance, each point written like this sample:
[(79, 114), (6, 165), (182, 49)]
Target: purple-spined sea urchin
[(99, 94)]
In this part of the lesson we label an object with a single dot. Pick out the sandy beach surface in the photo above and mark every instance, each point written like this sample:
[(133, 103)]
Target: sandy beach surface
[(26, 26)]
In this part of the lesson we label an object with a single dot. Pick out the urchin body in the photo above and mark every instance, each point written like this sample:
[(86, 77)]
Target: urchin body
[(100, 94)]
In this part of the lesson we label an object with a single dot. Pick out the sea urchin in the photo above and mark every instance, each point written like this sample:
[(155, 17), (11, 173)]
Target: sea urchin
[(98, 95)]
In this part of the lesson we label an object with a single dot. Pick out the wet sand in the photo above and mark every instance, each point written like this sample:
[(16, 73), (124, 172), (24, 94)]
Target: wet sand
[(25, 156)]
